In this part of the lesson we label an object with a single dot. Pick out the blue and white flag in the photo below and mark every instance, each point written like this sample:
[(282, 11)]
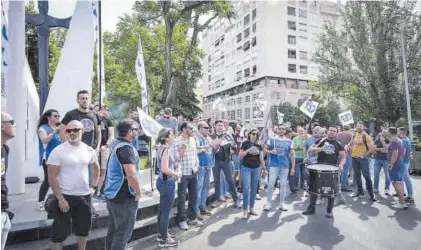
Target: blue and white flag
[(149, 125), (141, 76), (5, 56), (97, 36), (95, 20), (309, 108)]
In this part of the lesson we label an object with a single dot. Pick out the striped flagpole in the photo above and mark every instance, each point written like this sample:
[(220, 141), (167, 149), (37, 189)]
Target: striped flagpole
[(141, 76)]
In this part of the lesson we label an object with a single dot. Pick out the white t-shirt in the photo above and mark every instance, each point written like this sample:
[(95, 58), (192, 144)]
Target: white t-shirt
[(73, 161)]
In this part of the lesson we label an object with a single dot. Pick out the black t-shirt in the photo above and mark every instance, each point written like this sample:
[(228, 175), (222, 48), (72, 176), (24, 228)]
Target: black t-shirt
[(330, 153), (4, 165), (90, 122), (223, 153), (379, 155), (105, 124), (125, 155), (252, 159)]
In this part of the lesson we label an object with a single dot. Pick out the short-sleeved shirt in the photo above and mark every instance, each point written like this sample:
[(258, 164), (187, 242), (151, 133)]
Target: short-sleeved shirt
[(359, 148), (407, 145), (298, 141), (73, 161), (125, 155), (90, 122), (396, 144), (105, 124), (169, 123), (330, 151), (252, 159), (344, 137), (283, 147), (380, 155)]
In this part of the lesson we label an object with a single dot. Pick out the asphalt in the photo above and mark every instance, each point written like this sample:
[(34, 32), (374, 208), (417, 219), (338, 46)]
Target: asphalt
[(359, 224)]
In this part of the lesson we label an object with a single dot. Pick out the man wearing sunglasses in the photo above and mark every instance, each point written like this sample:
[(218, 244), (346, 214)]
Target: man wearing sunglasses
[(68, 176), (8, 131), (167, 121)]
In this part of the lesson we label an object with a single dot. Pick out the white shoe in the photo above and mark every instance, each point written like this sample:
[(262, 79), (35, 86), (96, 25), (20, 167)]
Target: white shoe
[(196, 223), (183, 225), (387, 192), (267, 206), (282, 207), (318, 201), (395, 202), (400, 205), (40, 205), (258, 197)]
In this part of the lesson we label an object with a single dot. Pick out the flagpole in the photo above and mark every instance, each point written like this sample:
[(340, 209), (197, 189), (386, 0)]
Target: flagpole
[(99, 60)]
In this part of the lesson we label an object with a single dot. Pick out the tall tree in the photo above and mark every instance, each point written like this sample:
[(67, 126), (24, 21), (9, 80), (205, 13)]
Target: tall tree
[(362, 63)]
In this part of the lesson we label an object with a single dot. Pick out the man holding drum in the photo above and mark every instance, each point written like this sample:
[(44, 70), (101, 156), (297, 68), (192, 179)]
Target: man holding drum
[(329, 152)]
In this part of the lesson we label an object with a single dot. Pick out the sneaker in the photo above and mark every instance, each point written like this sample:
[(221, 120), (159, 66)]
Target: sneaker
[(267, 207), (318, 201), (346, 190), (170, 242), (394, 202), (240, 196), (237, 204), (196, 223), (40, 205), (282, 207), (222, 199), (199, 217), (183, 225), (329, 215), (206, 212), (400, 205), (159, 237), (387, 192), (308, 212), (375, 191), (258, 197), (409, 199), (227, 196)]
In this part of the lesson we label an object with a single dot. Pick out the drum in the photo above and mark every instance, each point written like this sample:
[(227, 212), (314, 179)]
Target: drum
[(323, 180)]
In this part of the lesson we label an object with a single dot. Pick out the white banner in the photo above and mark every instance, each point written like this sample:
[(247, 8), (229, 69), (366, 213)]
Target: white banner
[(5, 54), (219, 105), (226, 139), (309, 108), (149, 125), (141, 76), (280, 117), (346, 117)]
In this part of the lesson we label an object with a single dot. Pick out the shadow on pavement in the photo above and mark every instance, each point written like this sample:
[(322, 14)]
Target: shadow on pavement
[(407, 219)]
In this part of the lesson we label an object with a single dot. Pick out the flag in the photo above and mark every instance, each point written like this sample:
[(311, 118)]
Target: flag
[(98, 48), (95, 20), (280, 117), (149, 125), (219, 105), (346, 117), (261, 105), (309, 108), (267, 131), (5, 56), (141, 76)]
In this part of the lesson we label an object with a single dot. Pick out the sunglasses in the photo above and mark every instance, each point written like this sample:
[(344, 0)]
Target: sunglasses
[(206, 127), (73, 130), (254, 134), (166, 117), (12, 122)]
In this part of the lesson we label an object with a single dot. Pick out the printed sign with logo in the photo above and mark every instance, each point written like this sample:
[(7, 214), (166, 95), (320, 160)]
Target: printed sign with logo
[(346, 117), (280, 117), (309, 108)]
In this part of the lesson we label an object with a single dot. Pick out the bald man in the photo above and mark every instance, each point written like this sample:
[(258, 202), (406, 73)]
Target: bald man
[(69, 179)]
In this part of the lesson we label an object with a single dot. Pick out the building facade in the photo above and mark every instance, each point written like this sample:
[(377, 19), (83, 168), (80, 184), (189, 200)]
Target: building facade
[(264, 55)]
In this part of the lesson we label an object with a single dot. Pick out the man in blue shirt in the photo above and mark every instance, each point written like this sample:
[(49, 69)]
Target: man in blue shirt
[(167, 121), (403, 132), (280, 156)]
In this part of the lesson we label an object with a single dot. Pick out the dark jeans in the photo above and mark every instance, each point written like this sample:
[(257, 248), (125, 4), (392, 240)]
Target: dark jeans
[(121, 223), (362, 165), (226, 168), (43, 190), (312, 205), (188, 183), (299, 175), (166, 191)]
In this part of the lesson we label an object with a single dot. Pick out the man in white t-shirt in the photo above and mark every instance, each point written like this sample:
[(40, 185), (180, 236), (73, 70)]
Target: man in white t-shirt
[(68, 176)]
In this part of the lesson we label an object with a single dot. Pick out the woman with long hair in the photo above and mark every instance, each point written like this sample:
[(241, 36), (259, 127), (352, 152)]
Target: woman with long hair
[(49, 138), (251, 152), (166, 186)]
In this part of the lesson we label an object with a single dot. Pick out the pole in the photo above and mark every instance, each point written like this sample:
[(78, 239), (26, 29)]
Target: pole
[(100, 54), (405, 78)]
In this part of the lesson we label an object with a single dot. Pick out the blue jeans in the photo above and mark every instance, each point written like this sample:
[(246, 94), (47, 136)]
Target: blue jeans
[(274, 173), (121, 223), (225, 167), (299, 177), (378, 166), (166, 191), (223, 186), (407, 179), (250, 179), (345, 171), (361, 166), (236, 161), (203, 180)]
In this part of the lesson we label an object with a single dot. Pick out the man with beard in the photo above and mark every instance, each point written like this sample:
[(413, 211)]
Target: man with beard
[(69, 179), (330, 152)]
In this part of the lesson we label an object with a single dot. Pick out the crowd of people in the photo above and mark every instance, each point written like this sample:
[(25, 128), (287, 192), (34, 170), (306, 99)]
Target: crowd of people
[(81, 158)]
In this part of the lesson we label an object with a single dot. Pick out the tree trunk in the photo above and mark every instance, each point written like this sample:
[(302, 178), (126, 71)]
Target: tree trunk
[(168, 83)]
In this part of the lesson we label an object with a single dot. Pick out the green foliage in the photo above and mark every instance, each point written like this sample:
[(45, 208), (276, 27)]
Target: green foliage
[(362, 63)]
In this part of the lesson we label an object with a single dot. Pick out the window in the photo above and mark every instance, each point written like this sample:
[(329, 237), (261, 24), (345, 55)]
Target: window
[(232, 115), (247, 113), (291, 11), (246, 20), (303, 25), (239, 75), (246, 33), (303, 37), (292, 40), (302, 13), (303, 69), (239, 36), (247, 98), (246, 72), (292, 25), (303, 55), (277, 95), (209, 78), (292, 68), (253, 14), (239, 100), (209, 58), (253, 41), (246, 46), (253, 28), (239, 114), (254, 69), (292, 54)]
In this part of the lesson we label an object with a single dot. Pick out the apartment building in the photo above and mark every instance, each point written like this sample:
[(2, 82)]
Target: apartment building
[(265, 54)]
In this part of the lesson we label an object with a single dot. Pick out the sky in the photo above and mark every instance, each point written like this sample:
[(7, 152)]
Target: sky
[(111, 10)]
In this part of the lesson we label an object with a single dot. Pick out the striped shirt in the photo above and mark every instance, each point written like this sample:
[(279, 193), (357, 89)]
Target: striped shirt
[(189, 160)]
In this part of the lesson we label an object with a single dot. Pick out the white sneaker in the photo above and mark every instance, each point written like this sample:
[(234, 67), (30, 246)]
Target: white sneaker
[(40, 205), (318, 201), (258, 197), (387, 192), (395, 202), (170, 242), (282, 207), (267, 206), (196, 223), (183, 225), (401, 205)]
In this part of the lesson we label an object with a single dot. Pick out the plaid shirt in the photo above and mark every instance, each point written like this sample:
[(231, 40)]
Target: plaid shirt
[(190, 159)]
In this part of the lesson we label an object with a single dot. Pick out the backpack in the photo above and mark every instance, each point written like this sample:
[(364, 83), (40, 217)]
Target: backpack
[(364, 137)]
